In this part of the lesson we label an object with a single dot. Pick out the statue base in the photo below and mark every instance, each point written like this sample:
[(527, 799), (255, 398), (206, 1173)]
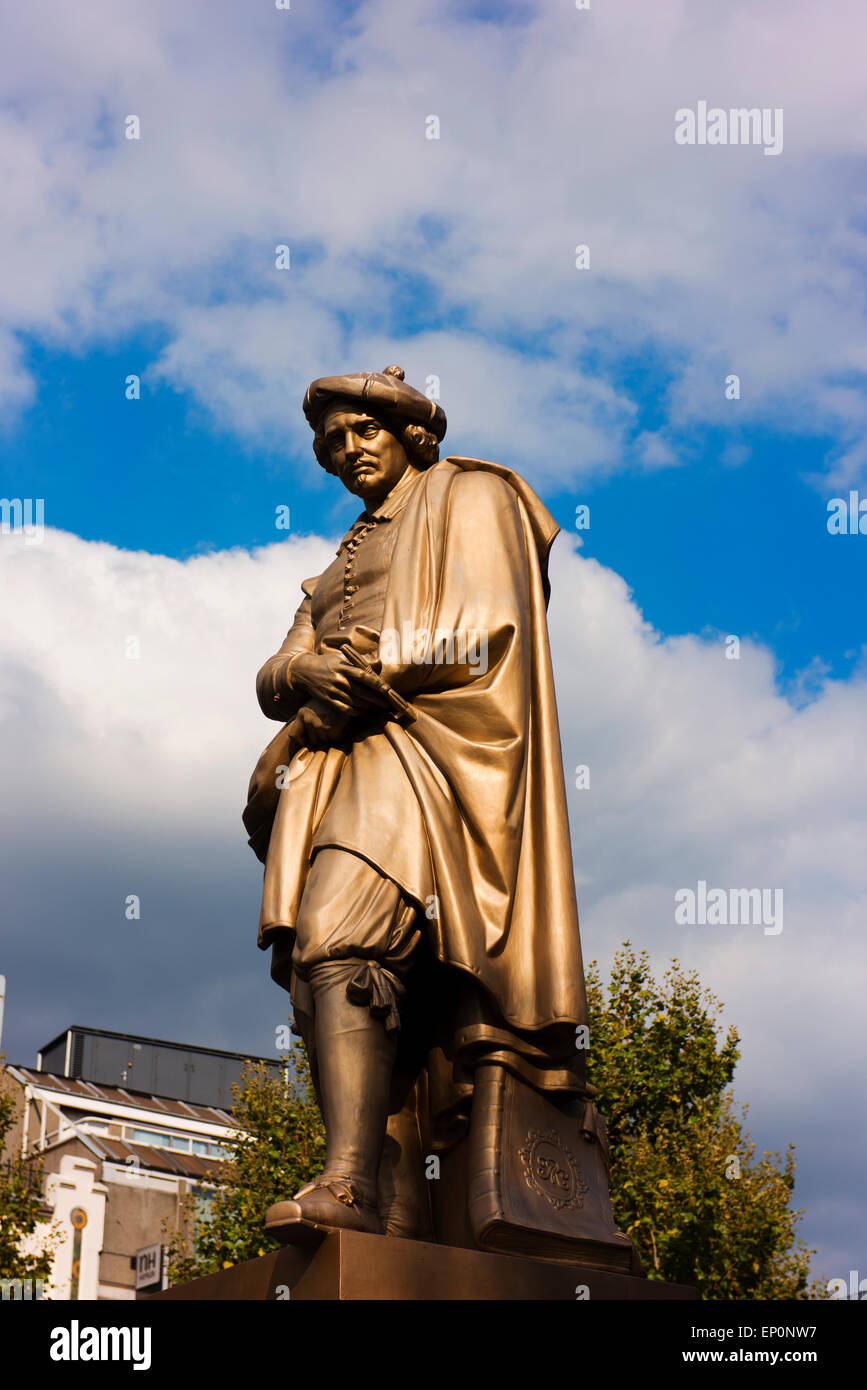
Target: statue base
[(348, 1265)]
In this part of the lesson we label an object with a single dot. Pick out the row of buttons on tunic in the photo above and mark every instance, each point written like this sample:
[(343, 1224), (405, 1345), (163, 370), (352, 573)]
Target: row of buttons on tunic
[(348, 587)]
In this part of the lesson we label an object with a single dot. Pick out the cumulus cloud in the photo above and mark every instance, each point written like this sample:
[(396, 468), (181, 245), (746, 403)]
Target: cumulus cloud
[(261, 127), (127, 774)]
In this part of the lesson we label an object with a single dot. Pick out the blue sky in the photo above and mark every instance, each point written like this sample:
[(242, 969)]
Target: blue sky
[(455, 257), (733, 547)]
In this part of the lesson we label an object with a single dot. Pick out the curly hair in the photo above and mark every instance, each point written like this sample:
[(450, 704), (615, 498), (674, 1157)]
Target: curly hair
[(422, 447)]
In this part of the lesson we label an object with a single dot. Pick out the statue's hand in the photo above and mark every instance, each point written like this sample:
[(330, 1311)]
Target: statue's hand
[(332, 678), (318, 725)]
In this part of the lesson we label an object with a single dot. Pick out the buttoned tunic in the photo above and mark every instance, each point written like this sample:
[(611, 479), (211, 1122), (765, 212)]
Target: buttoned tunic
[(359, 797)]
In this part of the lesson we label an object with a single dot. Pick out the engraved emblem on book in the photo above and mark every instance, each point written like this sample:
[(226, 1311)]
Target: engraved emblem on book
[(552, 1170)]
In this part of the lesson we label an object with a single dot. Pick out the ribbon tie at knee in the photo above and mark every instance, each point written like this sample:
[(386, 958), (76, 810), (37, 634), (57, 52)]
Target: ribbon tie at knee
[(381, 991)]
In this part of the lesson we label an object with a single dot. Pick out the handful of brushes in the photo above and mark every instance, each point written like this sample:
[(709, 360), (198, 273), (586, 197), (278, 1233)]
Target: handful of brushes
[(321, 725)]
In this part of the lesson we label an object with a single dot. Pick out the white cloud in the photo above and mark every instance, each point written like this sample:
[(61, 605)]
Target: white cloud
[(264, 126)]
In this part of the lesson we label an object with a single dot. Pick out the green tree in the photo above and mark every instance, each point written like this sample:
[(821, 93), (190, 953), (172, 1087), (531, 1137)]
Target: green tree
[(686, 1184), (22, 1205), (280, 1146)]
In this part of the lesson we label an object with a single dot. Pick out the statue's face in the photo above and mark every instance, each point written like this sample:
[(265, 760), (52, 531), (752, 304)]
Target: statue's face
[(367, 458)]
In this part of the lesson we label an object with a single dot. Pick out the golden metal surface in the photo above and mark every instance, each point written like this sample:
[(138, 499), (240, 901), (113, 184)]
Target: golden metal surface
[(420, 734)]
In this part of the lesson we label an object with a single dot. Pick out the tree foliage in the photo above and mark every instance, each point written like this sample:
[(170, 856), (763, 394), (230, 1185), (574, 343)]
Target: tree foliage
[(22, 1205), (686, 1184), (280, 1146)]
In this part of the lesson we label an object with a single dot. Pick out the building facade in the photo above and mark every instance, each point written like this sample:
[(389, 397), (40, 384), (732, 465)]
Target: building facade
[(118, 1161)]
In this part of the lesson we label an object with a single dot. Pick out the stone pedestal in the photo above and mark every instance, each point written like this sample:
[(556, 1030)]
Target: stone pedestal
[(349, 1265)]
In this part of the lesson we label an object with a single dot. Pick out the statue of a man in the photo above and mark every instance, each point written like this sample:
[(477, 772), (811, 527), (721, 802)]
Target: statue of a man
[(411, 814)]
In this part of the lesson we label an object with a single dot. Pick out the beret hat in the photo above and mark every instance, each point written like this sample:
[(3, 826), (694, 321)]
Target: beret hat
[(383, 392)]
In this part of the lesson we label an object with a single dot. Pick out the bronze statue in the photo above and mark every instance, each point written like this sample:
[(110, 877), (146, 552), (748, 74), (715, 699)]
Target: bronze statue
[(419, 897)]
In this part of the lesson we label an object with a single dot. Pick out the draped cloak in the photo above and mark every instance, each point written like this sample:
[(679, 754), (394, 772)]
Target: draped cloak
[(476, 818)]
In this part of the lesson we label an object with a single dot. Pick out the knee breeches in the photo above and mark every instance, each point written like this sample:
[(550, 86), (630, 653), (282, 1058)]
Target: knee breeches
[(354, 922)]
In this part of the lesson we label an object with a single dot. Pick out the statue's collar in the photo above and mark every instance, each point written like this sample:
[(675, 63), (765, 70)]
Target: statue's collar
[(389, 508), (396, 499)]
